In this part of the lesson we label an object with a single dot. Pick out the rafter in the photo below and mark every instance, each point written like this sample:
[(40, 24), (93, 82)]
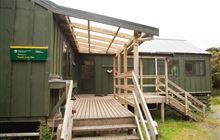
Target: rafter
[(96, 47), (101, 38), (113, 39), (100, 30), (98, 43), (89, 34)]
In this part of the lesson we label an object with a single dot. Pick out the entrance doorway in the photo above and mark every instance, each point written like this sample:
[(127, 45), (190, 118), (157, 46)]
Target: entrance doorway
[(87, 76)]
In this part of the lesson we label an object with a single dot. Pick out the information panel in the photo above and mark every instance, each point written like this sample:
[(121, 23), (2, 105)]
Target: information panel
[(29, 52)]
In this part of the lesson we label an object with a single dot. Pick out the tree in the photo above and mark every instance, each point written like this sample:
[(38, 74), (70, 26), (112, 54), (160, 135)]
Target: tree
[(215, 64)]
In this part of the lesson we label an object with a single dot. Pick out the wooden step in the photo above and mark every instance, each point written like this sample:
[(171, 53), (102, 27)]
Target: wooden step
[(103, 121), (181, 109), (127, 137), (103, 127)]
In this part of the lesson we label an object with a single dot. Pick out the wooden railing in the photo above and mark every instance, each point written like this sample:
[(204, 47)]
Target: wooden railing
[(66, 133), (138, 100), (138, 95), (184, 99)]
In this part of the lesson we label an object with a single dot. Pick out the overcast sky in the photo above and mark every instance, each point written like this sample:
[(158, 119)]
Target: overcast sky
[(197, 21)]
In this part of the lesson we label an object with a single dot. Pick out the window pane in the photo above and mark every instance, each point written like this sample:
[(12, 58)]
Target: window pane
[(189, 68), (202, 68), (197, 68), (173, 68), (160, 67)]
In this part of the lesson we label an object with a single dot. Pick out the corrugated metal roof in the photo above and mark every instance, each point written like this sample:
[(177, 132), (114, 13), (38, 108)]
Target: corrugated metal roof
[(169, 46)]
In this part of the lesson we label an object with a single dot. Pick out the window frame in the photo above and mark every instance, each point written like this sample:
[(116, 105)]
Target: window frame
[(194, 67), (178, 68)]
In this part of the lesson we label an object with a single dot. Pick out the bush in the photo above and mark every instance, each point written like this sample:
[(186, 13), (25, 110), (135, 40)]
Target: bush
[(45, 132)]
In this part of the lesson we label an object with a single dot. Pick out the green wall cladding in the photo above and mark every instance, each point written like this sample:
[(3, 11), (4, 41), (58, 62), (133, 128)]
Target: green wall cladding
[(24, 88), (189, 83), (103, 80), (193, 83)]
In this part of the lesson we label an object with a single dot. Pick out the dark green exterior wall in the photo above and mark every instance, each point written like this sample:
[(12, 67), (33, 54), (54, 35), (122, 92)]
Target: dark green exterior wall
[(189, 83), (24, 87), (193, 83), (103, 80)]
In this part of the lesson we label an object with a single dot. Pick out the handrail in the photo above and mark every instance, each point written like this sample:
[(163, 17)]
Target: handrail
[(199, 106), (66, 132), (150, 122), (141, 117)]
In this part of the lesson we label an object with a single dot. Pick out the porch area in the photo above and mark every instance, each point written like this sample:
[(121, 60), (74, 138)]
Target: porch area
[(96, 107)]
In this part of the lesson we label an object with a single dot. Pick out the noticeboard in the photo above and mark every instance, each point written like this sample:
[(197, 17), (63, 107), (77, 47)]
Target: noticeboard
[(29, 53)]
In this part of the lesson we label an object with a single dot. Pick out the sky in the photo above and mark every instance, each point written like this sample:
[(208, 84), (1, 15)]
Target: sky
[(197, 21)]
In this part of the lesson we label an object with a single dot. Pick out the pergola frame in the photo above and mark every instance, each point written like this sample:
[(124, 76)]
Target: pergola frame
[(98, 43)]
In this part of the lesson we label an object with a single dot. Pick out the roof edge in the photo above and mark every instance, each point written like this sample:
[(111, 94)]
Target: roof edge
[(97, 17)]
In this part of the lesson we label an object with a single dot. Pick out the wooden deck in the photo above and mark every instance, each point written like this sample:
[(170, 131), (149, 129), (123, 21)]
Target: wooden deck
[(94, 107), (150, 99)]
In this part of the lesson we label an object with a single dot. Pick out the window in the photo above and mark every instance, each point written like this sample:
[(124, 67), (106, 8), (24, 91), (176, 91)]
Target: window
[(196, 68), (160, 67), (173, 68)]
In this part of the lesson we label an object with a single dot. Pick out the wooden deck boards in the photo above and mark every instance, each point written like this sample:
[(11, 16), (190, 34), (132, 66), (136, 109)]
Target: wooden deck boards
[(92, 107), (150, 99)]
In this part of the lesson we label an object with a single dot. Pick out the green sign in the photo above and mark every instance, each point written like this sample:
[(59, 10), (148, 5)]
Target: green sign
[(28, 52)]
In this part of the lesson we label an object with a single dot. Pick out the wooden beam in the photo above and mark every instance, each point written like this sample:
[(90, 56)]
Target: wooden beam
[(136, 53), (113, 39), (119, 72), (89, 35), (162, 112), (101, 38), (141, 75), (99, 48), (166, 79), (100, 30), (82, 40), (114, 74), (125, 78)]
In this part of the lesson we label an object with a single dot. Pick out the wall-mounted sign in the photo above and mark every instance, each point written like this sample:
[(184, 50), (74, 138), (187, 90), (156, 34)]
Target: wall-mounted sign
[(28, 52)]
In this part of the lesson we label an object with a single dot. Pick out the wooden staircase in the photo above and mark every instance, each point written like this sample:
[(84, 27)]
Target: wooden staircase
[(122, 128), (101, 118), (183, 102)]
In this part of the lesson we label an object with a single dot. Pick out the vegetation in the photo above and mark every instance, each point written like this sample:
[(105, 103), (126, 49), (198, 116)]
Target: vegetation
[(215, 64), (215, 101), (45, 132), (177, 128)]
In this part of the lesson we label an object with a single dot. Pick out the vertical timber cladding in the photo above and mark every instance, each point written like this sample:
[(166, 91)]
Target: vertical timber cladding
[(193, 83), (23, 84), (103, 72)]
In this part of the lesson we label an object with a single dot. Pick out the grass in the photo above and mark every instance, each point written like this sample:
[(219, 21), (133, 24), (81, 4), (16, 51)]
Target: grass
[(180, 129), (176, 127), (215, 100)]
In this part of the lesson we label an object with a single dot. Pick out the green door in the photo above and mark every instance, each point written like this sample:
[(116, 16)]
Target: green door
[(87, 76)]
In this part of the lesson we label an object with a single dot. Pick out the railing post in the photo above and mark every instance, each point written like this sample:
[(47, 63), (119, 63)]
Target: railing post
[(203, 110), (166, 80), (186, 103), (136, 56), (114, 75), (125, 77), (119, 72), (141, 75)]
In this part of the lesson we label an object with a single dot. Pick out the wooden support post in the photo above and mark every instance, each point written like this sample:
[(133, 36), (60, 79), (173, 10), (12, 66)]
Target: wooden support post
[(114, 75), (186, 104), (166, 79), (203, 110), (125, 78), (136, 53), (156, 73), (136, 57), (141, 75), (119, 72), (162, 112)]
